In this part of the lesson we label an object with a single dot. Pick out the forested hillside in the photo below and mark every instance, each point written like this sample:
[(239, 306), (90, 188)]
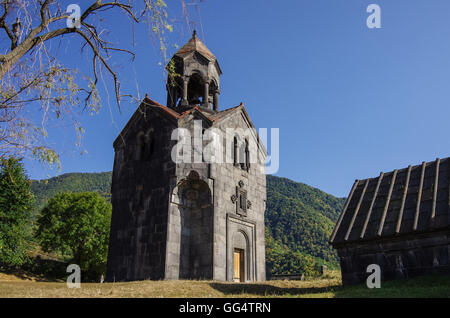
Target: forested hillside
[(299, 218), (74, 182), (299, 222)]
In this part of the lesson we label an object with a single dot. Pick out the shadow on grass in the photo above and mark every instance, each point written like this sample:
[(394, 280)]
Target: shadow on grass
[(436, 286), (27, 276), (268, 290), (39, 270)]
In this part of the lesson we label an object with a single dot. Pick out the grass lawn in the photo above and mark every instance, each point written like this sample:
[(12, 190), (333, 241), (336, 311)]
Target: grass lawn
[(328, 286)]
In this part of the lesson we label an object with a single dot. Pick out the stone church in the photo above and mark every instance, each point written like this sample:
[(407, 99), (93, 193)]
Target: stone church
[(188, 219)]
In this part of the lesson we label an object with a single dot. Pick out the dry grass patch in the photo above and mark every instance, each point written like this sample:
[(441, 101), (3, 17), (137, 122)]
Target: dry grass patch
[(327, 286), (179, 289)]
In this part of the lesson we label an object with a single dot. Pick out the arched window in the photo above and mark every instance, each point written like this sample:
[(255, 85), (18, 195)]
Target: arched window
[(235, 151), (146, 145), (247, 156), (195, 89), (141, 147), (129, 152)]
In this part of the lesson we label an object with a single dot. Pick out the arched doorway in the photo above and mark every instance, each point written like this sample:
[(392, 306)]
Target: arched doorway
[(196, 224)]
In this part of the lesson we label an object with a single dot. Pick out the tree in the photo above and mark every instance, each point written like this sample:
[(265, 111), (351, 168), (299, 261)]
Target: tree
[(16, 202), (280, 260), (31, 74), (77, 224)]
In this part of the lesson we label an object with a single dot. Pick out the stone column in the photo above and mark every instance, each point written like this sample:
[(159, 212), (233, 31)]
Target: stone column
[(184, 101), (205, 95), (216, 101), (169, 96)]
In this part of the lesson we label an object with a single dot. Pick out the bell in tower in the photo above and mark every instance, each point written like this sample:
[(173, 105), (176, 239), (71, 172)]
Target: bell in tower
[(193, 77)]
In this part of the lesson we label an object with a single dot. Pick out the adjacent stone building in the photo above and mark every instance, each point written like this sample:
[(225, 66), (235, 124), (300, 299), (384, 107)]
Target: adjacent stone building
[(188, 218), (399, 221)]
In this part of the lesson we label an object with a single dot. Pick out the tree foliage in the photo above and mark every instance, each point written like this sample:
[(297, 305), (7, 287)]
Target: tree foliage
[(300, 219), (71, 182), (280, 260), (16, 200), (77, 224), (36, 87)]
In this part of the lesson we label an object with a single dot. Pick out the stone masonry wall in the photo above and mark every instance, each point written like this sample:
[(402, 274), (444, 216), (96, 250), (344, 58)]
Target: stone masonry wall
[(407, 257), (140, 203), (227, 222)]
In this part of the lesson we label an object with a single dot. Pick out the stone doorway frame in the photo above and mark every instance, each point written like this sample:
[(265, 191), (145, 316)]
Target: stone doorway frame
[(247, 227)]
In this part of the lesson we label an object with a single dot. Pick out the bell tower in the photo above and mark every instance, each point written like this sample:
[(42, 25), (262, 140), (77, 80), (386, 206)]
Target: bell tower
[(194, 78), (189, 214)]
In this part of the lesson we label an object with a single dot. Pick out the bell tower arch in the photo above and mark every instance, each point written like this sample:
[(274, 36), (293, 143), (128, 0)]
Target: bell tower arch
[(194, 77)]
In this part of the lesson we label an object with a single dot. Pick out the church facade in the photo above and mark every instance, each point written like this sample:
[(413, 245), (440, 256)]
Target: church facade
[(178, 212)]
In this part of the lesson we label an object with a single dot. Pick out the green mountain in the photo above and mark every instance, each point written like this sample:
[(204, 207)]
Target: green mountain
[(299, 222), (74, 182), (299, 218)]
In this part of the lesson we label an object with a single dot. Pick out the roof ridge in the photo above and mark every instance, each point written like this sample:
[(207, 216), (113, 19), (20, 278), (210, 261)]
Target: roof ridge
[(406, 168)]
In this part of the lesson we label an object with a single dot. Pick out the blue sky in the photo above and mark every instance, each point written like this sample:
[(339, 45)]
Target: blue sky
[(349, 101)]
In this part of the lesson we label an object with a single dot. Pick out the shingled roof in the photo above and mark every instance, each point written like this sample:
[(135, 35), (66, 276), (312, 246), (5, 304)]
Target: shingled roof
[(194, 44), (402, 202)]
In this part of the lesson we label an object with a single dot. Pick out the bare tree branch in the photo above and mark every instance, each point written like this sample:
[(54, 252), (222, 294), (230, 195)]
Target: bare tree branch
[(31, 75)]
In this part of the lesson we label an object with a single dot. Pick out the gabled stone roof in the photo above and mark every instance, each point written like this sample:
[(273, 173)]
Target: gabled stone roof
[(401, 202), (173, 115)]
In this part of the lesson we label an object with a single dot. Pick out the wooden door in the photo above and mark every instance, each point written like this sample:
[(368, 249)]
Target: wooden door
[(239, 267)]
